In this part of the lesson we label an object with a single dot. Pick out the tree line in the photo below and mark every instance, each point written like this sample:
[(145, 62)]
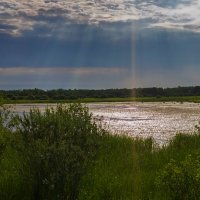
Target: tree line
[(72, 94)]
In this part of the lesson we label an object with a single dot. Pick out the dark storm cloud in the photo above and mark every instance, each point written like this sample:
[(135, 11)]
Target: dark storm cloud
[(84, 46)]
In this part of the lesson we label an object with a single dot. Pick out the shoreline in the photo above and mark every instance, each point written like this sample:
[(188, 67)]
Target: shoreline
[(181, 99)]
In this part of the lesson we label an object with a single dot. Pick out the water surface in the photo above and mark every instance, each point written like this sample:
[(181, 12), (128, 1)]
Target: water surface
[(158, 120)]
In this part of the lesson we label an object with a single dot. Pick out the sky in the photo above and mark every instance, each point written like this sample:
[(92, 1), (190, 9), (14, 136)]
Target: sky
[(99, 44)]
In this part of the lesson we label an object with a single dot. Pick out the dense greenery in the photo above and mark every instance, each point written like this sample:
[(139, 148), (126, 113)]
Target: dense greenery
[(61, 94), (127, 169), (45, 154), (62, 154), (1, 99)]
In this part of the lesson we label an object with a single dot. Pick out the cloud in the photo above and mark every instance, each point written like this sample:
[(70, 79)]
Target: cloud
[(187, 76), (185, 15), (90, 78), (13, 71), (48, 78), (25, 15)]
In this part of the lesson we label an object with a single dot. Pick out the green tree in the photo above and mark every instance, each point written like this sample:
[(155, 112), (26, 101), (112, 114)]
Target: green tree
[(59, 144), (1, 99), (181, 180)]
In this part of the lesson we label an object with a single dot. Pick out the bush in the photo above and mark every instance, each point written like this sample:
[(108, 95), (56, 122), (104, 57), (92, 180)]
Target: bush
[(15, 180), (59, 144), (181, 180)]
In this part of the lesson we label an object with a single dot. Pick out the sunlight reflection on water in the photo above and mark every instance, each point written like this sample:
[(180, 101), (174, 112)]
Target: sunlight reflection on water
[(158, 120)]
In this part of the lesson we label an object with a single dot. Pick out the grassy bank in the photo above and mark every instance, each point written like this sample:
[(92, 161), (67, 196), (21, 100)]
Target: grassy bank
[(127, 169), (63, 154), (194, 99)]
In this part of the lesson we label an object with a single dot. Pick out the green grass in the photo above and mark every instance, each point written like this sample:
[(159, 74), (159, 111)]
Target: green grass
[(195, 99), (112, 175), (136, 169), (15, 178)]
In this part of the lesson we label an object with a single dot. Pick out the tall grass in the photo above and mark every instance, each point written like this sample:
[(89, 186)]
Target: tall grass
[(15, 180), (62, 154), (132, 169)]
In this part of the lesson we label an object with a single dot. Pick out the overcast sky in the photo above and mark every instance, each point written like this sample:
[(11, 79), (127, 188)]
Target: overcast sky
[(99, 43)]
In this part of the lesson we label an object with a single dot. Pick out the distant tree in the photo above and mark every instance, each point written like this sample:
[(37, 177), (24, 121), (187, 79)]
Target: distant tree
[(1, 99), (62, 94)]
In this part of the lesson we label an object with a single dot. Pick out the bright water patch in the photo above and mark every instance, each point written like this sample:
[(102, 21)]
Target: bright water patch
[(158, 120)]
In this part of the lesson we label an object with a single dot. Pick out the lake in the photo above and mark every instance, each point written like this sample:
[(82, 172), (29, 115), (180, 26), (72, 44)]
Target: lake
[(136, 119)]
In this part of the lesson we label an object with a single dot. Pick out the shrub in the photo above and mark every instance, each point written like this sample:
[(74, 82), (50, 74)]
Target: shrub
[(15, 182), (181, 180), (59, 144)]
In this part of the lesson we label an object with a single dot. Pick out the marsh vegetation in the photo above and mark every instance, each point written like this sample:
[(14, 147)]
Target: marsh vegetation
[(63, 154)]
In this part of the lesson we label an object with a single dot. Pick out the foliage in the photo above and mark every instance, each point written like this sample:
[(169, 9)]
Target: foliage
[(112, 175), (132, 169), (62, 154), (61, 94), (1, 99), (57, 145), (15, 180), (181, 180)]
